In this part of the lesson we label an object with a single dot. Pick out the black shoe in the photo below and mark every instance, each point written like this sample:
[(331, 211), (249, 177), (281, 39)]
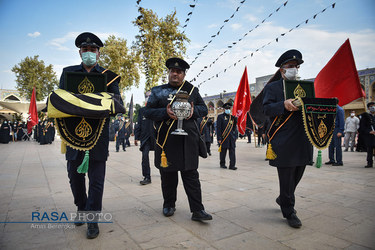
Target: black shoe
[(279, 203), (78, 220), (92, 230), (223, 166), (209, 153), (201, 215), (232, 168), (337, 164), (329, 162), (368, 166), (168, 211), (293, 221), (145, 181), (116, 150), (124, 149), (345, 150)]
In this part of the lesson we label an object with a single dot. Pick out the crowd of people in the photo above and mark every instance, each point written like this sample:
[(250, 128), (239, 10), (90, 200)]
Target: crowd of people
[(13, 131), (43, 132)]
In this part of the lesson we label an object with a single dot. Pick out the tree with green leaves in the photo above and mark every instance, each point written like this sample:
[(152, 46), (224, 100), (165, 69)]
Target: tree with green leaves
[(116, 56), (159, 39), (32, 72), (136, 112)]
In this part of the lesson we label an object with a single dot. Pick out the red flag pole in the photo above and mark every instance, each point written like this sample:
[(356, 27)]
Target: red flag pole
[(32, 118)]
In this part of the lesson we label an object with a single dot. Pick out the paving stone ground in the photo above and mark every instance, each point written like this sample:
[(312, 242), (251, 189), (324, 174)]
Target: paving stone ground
[(336, 204)]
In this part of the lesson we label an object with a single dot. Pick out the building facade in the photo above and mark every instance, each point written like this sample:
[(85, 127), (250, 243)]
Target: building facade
[(366, 76), (9, 95)]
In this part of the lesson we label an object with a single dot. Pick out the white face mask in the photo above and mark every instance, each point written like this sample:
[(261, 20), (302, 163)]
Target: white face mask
[(291, 73), (352, 114)]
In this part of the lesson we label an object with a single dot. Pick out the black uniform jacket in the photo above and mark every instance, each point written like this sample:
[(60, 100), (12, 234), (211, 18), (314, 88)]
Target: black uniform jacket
[(290, 142), (100, 151), (182, 152), (221, 125), (206, 129), (144, 130), (367, 124)]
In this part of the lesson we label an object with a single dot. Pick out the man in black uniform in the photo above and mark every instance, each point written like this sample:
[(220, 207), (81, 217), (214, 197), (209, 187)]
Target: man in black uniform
[(120, 132), (175, 153), (144, 132), (367, 129), (227, 134), (287, 135), (89, 45), (206, 128)]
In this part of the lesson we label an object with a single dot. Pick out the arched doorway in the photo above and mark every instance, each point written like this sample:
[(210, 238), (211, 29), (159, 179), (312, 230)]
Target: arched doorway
[(211, 109), (12, 98), (219, 104)]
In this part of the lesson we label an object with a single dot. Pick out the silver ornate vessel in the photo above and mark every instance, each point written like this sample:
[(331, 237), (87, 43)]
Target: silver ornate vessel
[(182, 108)]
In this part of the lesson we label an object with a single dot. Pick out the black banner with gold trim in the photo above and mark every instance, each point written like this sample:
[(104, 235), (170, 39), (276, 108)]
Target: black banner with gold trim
[(81, 109), (319, 116), (80, 133)]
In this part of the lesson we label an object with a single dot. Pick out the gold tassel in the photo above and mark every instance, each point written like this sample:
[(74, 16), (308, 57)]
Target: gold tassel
[(164, 162), (63, 147), (270, 155), (219, 148)]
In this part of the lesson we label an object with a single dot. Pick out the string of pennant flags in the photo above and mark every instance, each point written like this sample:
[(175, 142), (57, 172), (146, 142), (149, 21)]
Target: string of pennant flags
[(189, 15), (187, 19), (217, 33), (274, 40), (233, 44)]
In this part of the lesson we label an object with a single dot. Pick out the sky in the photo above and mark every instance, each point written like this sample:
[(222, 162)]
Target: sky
[(48, 29)]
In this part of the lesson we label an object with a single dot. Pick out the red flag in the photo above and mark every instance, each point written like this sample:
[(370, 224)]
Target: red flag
[(32, 119), (339, 78), (242, 102)]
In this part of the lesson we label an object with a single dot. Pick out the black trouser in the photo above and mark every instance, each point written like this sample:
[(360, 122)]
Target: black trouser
[(289, 178), (120, 141), (261, 139), (192, 185), (232, 157), (96, 174), (146, 171), (370, 155), (208, 146)]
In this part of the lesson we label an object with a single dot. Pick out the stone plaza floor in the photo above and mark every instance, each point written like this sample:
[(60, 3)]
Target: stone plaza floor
[(335, 204)]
